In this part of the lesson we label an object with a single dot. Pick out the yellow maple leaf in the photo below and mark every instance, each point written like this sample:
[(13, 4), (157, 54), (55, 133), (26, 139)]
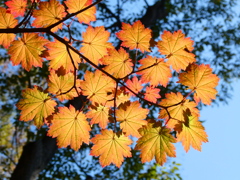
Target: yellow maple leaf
[(131, 117), (98, 87), (70, 127), (158, 72), (111, 147), (176, 111), (60, 84), (59, 56), (35, 105), (135, 36), (48, 14), (7, 20), (99, 114), (200, 79), (27, 50), (191, 133), (95, 44), (86, 16), (177, 48), (156, 141), (118, 63)]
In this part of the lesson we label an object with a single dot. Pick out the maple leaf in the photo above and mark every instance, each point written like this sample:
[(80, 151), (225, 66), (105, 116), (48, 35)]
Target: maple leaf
[(27, 50), (111, 147), (7, 20), (95, 44), (118, 63), (59, 56), (98, 87), (177, 109), (199, 78), (156, 141), (36, 105), (86, 16), (135, 36), (157, 73), (99, 115), (131, 116), (177, 48), (60, 84), (17, 7), (70, 127), (135, 85), (48, 14), (152, 94), (191, 133)]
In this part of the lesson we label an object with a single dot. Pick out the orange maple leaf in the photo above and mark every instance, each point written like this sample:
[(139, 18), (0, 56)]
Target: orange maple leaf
[(35, 105), (27, 50), (135, 85), (131, 116), (177, 48), (99, 115), (60, 84), (157, 73), (86, 16), (152, 94), (199, 78), (176, 111), (48, 14), (98, 87), (95, 44), (7, 20), (111, 147), (156, 141), (191, 133), (135, 36), (70, 127), (59, 56), (17, 7), (118, 63)]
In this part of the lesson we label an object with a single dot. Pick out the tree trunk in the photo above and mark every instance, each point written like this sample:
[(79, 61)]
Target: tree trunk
[(34, 158)]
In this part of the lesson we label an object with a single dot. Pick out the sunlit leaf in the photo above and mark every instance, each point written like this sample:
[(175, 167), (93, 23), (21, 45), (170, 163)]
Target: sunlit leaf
[(17, 7), (35, 105), (156, 141), (111, 147), (70, 127)]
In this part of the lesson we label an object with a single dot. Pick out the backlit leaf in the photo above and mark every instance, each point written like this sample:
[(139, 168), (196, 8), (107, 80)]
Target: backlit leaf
[(60, 84), (35, 105), (59, 56), (99, 114), (135, 85), (201, 80), (7, 20), (156, 141), (177, 48), (86, 16), (70, 127), (192, 133), (27, 50), (98, 87), (118, 63), (131, 116), (111, 147), (152, 94), (17, 7), (177, 111), (48, 14), (157, 73), (95, 44), (135, 36)]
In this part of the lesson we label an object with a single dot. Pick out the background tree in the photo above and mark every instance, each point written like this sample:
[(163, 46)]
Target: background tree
[(214, 18)]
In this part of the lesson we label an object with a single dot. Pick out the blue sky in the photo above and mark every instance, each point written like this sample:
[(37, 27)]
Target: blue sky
[(219, 158)]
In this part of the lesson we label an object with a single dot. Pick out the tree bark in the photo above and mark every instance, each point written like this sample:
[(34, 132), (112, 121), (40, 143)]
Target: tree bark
[(34, 158)]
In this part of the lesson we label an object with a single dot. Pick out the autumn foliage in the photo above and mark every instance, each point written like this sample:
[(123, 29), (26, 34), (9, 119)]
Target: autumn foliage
[(118, 84)]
